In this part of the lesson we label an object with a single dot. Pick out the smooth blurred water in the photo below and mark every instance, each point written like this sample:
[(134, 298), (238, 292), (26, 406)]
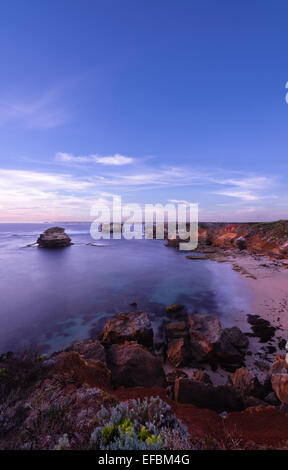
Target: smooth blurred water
[(52, 297)]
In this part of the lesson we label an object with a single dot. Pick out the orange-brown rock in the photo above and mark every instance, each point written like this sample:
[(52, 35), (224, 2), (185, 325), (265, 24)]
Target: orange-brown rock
[(279, 378), (204, 332), (133, 326), (79, 370), (133, 365)]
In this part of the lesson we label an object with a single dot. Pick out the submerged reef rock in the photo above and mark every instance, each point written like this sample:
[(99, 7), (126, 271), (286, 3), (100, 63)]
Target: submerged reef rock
[(54, 237)]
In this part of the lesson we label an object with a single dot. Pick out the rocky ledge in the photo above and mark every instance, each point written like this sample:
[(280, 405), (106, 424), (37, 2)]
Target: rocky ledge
[(54, 237)]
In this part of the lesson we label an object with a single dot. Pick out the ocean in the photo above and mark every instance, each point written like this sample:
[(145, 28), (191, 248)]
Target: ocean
[(50, 298)]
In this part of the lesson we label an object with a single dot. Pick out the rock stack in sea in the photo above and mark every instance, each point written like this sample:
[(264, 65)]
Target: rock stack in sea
[(54, 237)]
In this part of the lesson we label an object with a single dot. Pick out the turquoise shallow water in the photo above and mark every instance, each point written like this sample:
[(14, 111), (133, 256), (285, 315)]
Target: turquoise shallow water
[(53, 297)]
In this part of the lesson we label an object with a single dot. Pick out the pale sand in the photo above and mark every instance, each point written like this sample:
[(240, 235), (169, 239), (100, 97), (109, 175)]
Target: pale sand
[(268, 282)]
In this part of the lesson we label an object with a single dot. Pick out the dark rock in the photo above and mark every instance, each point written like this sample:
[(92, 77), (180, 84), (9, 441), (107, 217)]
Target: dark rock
[(133, 326), (54, 237), (221, 398), (241, 243), (175, 374), (272, 399), (246, 384), (176, 330), (282, 343), (201, 376), (261, 328), (229, 348), (253, 401), (132, 365), (174, 308)]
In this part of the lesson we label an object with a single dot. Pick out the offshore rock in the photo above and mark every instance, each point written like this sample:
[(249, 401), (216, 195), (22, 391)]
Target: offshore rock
[(54, 237)]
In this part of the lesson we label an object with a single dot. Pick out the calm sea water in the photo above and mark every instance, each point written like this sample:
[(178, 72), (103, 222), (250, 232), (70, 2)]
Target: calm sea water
[(50, 298)]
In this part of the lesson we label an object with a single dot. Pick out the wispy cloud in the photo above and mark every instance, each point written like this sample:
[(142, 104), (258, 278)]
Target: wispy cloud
[(38, 195), (244, 195), (111, 160), (40, 113)]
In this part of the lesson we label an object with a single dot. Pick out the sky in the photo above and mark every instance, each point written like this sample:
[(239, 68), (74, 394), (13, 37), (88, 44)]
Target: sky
[(155, 101)]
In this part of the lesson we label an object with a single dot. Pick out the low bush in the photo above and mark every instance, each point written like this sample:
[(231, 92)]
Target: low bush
[(139, 425)]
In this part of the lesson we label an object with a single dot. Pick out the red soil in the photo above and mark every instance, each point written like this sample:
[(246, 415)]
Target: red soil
[(262, 425)]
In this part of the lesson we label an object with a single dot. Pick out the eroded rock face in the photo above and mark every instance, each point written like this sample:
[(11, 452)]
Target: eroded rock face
[(245, 383), (132, 365), (279, 379), (178, 350), (202, 376), (205, 330), (221, 398), (81, 370), (133, 326), (54, 237)]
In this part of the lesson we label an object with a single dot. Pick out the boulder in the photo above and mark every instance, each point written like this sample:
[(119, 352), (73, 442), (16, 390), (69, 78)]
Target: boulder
[(220, 398), (133, 326), (241, 243), (246, 384), (54, 237), (279, 379), (132, 365), (229, 348), (78, 370), (202, 376), (204, 332), (176, 330), (175, 374), (178, 352), (89, 350), (174, 308)]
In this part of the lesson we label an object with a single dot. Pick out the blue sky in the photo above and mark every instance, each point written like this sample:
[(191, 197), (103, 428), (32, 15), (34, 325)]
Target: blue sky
[(155, 101)]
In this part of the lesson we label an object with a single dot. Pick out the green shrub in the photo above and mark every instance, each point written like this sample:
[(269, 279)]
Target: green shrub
[(139, 425)]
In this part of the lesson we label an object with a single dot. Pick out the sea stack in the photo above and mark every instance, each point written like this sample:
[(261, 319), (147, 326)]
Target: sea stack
[(54, 237)]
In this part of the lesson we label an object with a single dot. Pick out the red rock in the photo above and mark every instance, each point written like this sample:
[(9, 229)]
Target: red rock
[(88, 371), (132, 365)]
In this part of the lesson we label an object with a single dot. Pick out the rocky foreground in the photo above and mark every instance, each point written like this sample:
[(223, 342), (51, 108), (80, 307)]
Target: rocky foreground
[(84, 397)]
